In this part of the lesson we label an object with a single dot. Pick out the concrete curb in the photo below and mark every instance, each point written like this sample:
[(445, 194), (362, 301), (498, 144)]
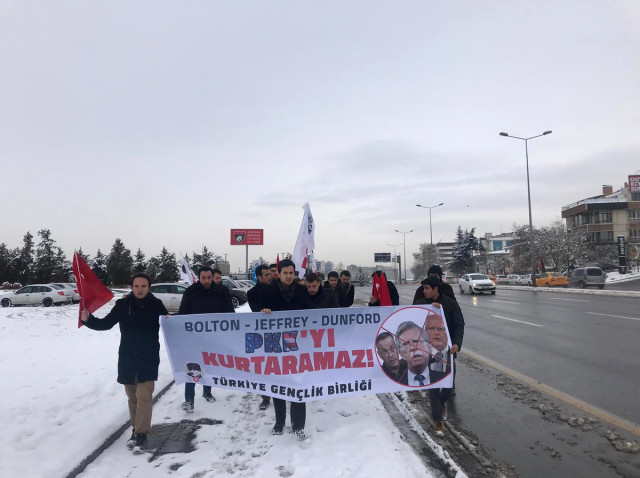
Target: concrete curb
[(560, 290)]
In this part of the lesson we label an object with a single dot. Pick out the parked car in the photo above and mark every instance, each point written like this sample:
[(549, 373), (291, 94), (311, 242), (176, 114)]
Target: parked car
[(524, 280), (587, 277), (452, 280), (493, 278), (552, 279), (170, 294), (476, 283), (37, 294), (237, 290), (73, 290), (513, 279), (503, 280), (246, 282)]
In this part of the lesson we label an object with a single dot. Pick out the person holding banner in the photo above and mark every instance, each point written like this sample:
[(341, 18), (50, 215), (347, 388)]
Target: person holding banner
[(139, 353), (208, 295), (333, 285), (439, 342), (284, 294), (263, 274)]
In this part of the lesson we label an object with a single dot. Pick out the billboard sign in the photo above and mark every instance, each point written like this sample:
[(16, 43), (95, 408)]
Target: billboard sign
[(634, 183), (381, 257), (247, 237)]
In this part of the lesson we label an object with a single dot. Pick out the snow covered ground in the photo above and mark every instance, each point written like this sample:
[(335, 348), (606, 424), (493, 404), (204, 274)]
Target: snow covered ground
[(617, 278), (60, 401)]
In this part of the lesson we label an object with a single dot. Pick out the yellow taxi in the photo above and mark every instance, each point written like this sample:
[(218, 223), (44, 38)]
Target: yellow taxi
[(552, 279)]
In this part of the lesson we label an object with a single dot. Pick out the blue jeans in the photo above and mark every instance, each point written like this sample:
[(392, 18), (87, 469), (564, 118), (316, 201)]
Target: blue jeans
[(190, 391)]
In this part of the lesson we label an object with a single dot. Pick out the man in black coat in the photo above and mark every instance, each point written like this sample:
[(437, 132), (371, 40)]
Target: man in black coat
[(263, 274), (284, 294), (332, 285), (445, 289), (206, 296), (347, 287), (320, 297), (455, 323), (139, 352)]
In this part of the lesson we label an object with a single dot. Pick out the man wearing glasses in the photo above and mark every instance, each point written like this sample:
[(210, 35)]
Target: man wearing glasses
[(413, 343)]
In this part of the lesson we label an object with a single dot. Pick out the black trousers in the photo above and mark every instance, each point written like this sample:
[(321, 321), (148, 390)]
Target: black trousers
[(298, 413), (190, 391)]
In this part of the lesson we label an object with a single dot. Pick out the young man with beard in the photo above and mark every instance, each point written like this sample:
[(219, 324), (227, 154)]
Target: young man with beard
[(320, 297), (206, 296), (284, 294), (263, 274), (139, 353), (347, 287)]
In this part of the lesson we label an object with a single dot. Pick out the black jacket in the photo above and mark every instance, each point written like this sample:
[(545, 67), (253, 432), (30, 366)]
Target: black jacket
[(349, 292), (339, 293), (324, 299), (272, 297), (253, 297), (198, 300), (393, 294), (443, 288), (139, 352)]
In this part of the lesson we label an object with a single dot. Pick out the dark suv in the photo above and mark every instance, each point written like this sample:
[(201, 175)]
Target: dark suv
[(587, 276)]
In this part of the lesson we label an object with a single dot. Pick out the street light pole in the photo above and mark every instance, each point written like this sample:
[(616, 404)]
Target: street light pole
[(430, 208), (526, 152), (404, 245), (398, 272)]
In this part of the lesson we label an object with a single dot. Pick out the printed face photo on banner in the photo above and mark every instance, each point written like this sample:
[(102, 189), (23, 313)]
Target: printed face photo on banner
[(413, 345)]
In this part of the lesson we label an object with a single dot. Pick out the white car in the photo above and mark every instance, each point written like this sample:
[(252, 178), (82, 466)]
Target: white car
[(73, 290), (170, 294), (524, 280), (476, 283), (37, 294)]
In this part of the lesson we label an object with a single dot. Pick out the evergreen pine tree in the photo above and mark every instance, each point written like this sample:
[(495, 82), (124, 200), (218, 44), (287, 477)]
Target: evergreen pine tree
[(139, 264), (99, 267), (25, 262), (62, 270), (119, 263), (45, 258), (167, 267)]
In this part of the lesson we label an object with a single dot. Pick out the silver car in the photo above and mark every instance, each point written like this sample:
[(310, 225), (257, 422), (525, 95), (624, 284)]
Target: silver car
[(170, 294), (73, 290), (587, 277), (37, 294), (476, 284)]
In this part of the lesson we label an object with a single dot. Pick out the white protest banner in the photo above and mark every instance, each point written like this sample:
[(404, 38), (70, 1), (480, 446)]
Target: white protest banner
[(306, 355)]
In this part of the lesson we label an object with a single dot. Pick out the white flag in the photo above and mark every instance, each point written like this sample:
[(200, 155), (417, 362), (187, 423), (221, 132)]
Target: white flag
[(305, 243), (186, 273)]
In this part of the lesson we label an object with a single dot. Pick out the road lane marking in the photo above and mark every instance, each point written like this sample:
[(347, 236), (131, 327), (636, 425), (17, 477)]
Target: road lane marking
[(514, 320), (554, 392), (505, 301), (574, 300), (616, 316)]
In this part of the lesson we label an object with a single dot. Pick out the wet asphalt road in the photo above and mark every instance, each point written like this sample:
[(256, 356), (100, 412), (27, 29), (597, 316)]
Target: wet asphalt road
[(586, 346)]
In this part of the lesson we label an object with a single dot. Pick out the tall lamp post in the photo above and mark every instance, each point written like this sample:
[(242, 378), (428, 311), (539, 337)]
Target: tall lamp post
[(404, 245), (526, 152), (430, 208), (398, 272)]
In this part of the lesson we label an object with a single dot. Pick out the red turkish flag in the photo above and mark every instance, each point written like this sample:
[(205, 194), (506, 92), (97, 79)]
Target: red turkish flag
[(93, 293), (380, 289)]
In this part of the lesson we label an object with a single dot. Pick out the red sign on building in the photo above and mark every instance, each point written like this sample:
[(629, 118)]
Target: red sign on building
[(634, 183), (247, 237)]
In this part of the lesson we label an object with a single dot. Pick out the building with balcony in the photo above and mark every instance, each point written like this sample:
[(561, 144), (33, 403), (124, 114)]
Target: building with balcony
[(605, 217)]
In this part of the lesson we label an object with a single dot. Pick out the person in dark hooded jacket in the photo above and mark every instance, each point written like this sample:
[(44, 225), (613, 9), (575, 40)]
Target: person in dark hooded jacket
[(445, 289), (139, 353)]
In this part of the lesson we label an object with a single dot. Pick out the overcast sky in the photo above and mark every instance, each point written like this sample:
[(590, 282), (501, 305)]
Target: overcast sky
[(169, 123)]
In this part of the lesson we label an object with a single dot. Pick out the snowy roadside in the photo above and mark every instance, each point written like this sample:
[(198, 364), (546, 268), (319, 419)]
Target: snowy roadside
[(61, 401)]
